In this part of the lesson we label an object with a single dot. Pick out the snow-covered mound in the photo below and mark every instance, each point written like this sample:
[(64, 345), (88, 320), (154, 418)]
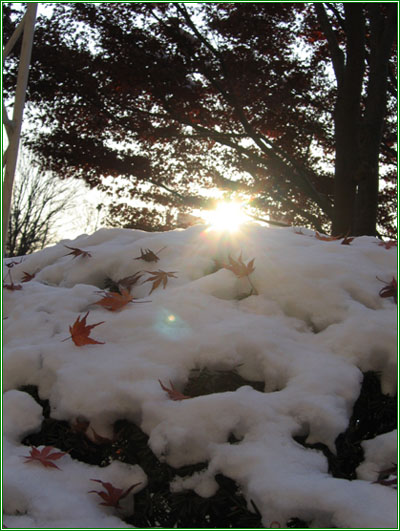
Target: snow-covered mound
[(305, 317)]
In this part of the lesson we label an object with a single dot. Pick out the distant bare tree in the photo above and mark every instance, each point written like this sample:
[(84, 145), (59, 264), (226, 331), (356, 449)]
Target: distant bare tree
[(39, 202)]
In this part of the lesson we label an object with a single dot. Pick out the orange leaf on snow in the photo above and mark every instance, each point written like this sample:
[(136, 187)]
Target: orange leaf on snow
[(80, 332), (77, 252), (111, 496), (238, 267), (44, 456), (158, 277), (115, 301), (173, 393)]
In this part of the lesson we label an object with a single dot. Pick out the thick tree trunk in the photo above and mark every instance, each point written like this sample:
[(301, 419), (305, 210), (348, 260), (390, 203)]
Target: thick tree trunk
[(346, 164), (359, 123), (382, 35), (348, 121)]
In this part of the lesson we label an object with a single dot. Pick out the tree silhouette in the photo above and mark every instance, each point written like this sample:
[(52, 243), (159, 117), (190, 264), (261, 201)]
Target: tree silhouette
[(39, 200)]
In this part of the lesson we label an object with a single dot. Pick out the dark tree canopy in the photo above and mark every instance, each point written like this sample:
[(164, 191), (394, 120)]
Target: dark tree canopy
[(291, 105)]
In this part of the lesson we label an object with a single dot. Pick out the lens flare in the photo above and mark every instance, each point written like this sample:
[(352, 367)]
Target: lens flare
[(226, 217)]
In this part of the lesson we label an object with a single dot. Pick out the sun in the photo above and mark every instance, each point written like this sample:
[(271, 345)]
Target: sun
[(228, 216)]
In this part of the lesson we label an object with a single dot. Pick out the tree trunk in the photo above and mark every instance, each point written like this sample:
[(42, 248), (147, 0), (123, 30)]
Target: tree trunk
[(348, 120), (382, 35)]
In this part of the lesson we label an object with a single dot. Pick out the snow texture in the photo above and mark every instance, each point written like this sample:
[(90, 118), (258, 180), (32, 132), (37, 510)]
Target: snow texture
[(315, 325)]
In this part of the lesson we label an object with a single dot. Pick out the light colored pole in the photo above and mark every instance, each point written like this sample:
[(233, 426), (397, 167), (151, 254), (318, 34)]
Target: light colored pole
[(13, 127)]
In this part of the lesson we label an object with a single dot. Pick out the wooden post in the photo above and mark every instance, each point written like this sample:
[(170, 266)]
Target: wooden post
[(13, 127)]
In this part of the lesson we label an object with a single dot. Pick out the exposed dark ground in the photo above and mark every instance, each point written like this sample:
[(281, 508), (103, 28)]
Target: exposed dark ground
[(155, 506)]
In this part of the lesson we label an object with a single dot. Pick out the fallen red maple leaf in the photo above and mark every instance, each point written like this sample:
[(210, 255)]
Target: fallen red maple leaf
[(158, 277), (324, 238), (77, 252), (173, 393), (12, 286), (390, 290), (80, 332), (128, 282), (346, 240), (238, 267), (112, 495), (115, 301), (389, 244), (148, 255), (27, 277), (44, 456)]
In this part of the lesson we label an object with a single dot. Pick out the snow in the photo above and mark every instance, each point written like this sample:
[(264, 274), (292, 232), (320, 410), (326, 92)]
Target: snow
[(316, 323)]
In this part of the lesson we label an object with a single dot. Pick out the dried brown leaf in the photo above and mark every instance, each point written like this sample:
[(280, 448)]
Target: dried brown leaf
[(128, 282), (75, 251), (159, 277), (239, 268)]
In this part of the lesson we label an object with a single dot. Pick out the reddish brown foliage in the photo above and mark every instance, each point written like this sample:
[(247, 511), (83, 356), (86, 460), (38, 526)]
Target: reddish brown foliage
[(115, 301), (389, 244), (148, 255), (324, 238), (44, 456), (12, 286), (75, 251), (27, 277), (390, 290), (80, 332), (128, 282), (238, 267), (172, 392), (158, 277), (111, 496)]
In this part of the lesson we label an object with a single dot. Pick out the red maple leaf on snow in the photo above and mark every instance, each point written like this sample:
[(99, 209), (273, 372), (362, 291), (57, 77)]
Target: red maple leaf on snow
[(390, 290), (324, 238), (44, 456), (111, 495), (75, 251), (12, 286), (27, 277), (80, 332), (115, 301), (389, 244), (173, 393)]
